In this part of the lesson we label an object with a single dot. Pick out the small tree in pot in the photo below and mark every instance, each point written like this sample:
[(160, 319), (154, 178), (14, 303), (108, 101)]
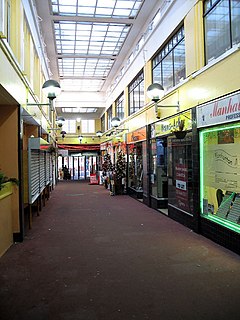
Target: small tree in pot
[(120, 172)]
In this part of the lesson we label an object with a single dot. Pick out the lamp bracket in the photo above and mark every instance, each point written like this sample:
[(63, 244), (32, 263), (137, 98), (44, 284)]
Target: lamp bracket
[(54, 129), (121, 130), (42, 104), (38, 104), (177, 106)]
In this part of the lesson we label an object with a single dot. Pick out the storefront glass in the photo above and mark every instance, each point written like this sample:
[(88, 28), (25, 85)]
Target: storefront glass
[(135, 167), (180, 188), (158, 165), (220, 175)]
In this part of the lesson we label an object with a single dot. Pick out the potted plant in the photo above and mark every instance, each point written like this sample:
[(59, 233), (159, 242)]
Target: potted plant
[(53, 150), (4, 179), (180, 133), (120, 173)]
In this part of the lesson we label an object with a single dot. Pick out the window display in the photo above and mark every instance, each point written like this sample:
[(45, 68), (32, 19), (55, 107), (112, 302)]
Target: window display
[(220, 175)]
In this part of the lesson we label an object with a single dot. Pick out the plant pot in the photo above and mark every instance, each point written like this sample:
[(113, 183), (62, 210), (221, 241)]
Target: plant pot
[(119, 187), (180, 134)]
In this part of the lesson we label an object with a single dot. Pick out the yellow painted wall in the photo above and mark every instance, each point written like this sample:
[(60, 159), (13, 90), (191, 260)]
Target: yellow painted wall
[(9, 153), (194, 39), (6, 234), (16, 29), (68, 139)]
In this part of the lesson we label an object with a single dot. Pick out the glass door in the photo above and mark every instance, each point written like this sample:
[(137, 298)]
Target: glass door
[(82, 168), (78, 167)]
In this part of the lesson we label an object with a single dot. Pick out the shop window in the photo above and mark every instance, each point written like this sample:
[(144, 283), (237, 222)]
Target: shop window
[(120, 107), (136, 94), (180, 188), (158, 164), (135, 167), (222, 26), (103, 123), (169, 63), (109, 117), (219, 175)]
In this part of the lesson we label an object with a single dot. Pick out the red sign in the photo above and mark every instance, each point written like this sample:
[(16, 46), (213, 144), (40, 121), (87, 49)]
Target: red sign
[(93, 179)]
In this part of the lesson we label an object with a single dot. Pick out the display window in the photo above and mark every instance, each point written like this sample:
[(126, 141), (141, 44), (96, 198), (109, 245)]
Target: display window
[(220, 175), (135, 166), (180, 187)]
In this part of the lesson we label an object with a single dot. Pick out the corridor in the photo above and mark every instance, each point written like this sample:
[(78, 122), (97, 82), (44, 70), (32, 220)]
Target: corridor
[(92, 256)]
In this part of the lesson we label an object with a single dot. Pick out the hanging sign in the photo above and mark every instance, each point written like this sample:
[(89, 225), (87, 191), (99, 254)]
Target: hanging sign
[(172, 124), (138, 135), (93, 179)]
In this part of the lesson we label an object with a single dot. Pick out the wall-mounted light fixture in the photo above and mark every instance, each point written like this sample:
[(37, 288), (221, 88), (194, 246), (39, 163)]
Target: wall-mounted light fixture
[(115, 122), (99, 134), (63, 133), (60, 121), (52, 89), (156, 92), (80, 138)]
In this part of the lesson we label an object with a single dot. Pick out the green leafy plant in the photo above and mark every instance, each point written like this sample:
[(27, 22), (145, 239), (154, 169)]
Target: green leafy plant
[(4, 179), (53, 150), (179, 132)]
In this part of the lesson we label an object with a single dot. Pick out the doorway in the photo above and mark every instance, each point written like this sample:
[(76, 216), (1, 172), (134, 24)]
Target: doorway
[(79, 166)]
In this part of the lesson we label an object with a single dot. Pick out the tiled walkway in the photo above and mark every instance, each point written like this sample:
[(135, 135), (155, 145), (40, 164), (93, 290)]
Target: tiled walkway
[(92, 256)]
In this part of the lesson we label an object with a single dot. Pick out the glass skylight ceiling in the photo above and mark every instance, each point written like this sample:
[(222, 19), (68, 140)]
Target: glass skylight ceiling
[(88, 67), (81, 84), (89, 36), (86, 38), (97, 8)]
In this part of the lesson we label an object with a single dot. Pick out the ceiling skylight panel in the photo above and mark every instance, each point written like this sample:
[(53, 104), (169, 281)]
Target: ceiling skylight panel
[(94, 51), (67, 37), (106, 3), (67, 10), (91, 3), (104, 12), (81, 46), (65, 25), (84, 33), (113, 34), (69, 2), (96, 43), (84, 26), (125, 4), (122, 12), (116, 28), (138, 4), (86, 11), (98, 33)]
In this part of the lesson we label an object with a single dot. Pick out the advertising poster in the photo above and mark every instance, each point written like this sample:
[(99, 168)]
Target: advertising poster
[(181, 186)]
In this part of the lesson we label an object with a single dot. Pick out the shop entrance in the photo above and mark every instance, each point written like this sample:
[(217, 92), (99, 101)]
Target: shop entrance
[(158, 173), (78, 167)]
